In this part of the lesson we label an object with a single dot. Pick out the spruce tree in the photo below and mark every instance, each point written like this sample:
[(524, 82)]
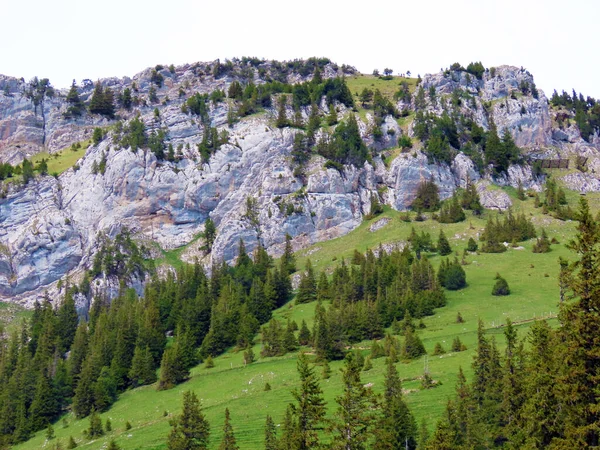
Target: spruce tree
[(355, 415), (94, 429), (580, 334), (142, 367), (304, 334), (309, 409), (307, 289), (228, 442), (396, 428), (270, 435), (443, 246), (190, 430), (76, 106)]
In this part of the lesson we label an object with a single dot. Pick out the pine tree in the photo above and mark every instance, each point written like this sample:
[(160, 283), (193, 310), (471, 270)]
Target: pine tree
[(76, 106), (142, 367), (354, 417), (94, 429), (501, 287), (288, 260), (332, 118), (112, 445), (191, 430), (72, 444), (270, 435), (307, 289), (282, 120), (104, 390), (304, 334), (309, 409), (210, 233), (580, 333), (228, 442), (396, 428), (443, 246)]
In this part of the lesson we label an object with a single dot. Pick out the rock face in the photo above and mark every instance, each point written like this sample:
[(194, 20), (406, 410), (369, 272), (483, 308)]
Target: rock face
[(49, 229)]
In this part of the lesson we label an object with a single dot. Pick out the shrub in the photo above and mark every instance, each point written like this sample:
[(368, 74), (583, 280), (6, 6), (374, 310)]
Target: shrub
[(427, 198), (501, 287)]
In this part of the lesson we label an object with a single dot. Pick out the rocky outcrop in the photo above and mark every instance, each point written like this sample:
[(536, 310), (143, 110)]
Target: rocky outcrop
[(50, 228)]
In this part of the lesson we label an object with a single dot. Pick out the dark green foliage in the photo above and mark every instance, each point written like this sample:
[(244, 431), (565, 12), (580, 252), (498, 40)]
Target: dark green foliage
[(501, 153), (355, 415), (457, 345), (438, 349), (304, 336), (307, 289), (27, 170), (134, 135), (97, 136), (412, 347), (396, 428), (512, 229), (94, 429), (191, 430), (451, 275), (282, 120), (427, 198), (102, 101), (346, 145), (309, 408), (210, 234), (470, 200), (270, 435), (121, 257), (451, 211), (472, 245), (142, 369), (501, 287), (542, 244), (228, 442), (443, 246), (476, 68), (420, 242), (76, 107)]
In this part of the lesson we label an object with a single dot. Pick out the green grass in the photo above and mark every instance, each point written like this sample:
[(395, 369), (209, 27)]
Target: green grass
[(62, 160), (11, 316), (388, 88), (58, 162), (241, 389)]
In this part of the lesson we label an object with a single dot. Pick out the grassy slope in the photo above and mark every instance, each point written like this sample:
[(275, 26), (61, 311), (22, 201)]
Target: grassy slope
[(240, 388)]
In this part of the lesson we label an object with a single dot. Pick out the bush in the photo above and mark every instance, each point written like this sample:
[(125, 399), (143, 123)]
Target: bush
[(457, 345), (427, 198), (501, 287), (472, 245)]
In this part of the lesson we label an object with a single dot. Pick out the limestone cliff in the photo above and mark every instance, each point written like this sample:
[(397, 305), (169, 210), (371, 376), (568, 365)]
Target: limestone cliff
[(50, 228)]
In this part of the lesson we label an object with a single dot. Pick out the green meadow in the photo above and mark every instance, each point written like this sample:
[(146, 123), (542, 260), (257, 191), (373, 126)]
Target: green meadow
[(231, 384)]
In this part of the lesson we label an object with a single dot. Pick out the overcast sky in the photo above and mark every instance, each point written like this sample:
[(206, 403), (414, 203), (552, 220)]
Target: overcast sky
[(76, 39)]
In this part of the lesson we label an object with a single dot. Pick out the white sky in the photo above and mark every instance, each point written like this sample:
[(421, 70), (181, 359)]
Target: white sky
[(65, 39)]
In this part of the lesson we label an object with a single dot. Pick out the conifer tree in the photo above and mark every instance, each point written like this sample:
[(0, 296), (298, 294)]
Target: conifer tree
[(307, 289), (94, 429), (76, 106), (309, 409), (580, 334), (228, 442), (270, 435), (354, 417), (104, 390), (142, 367), (190, 430), (396, 428), (112, 445), (443, 246), (304, 334)]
